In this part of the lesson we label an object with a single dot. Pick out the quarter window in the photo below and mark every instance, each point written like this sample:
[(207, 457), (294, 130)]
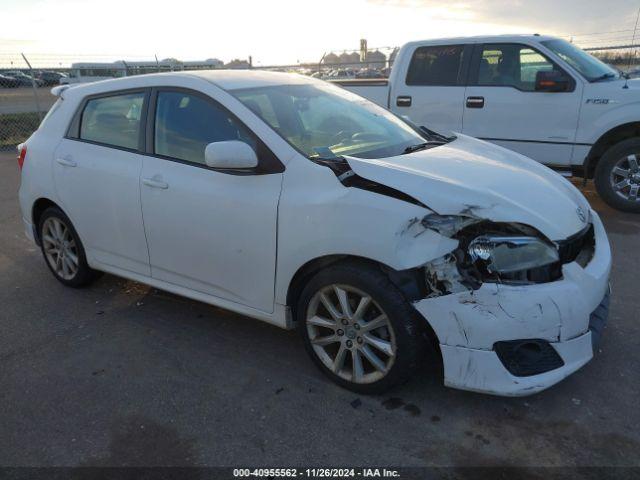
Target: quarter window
[(510, 65), (185, 124), (113, 120), (438, 65)]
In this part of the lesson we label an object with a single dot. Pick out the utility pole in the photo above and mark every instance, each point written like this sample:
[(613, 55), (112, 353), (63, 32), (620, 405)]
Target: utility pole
[(33, 84)]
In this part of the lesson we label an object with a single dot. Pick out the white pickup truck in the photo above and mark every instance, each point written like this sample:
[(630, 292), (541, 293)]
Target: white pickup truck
[(537, 95)]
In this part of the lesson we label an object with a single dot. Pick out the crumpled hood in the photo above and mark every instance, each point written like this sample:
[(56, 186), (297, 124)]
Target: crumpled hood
[(476, 178)]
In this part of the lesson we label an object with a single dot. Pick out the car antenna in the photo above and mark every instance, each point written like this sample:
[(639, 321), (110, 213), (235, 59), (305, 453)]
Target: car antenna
[(633, 41)]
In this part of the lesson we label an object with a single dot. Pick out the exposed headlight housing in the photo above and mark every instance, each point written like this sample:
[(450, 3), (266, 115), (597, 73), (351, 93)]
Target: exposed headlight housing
[(506, 254)]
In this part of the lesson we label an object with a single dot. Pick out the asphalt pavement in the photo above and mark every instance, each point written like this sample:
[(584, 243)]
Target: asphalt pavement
[(123, 374)]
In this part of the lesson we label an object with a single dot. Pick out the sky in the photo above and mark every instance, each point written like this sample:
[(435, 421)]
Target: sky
[(286, 31)]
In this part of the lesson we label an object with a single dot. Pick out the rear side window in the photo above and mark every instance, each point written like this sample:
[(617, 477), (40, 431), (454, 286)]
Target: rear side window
[(185, 124), (437, 65), (113, 120)]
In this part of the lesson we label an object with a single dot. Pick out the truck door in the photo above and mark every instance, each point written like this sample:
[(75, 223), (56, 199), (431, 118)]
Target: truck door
[(504, 105), (430, 88)]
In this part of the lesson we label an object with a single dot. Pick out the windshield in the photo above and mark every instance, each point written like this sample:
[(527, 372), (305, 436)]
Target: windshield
[(325, 121), (587, 65)]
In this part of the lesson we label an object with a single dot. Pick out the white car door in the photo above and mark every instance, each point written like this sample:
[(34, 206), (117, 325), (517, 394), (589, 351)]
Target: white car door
[(430, 91), (208, 230), (503, 106), (96, 173)]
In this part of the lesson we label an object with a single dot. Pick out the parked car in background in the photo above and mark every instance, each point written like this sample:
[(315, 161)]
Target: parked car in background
[(540, 96), (294, 201), (23, 79), (8, 82), (48, 77)]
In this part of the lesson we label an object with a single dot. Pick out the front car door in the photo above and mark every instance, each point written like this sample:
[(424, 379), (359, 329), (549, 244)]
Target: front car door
[(208, 230), (97, 178), (502, 105), (431, 90)]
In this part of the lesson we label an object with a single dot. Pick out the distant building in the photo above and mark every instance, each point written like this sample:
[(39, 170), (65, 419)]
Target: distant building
[(376, 59), (352, 58), (331, 59), (237, 64)]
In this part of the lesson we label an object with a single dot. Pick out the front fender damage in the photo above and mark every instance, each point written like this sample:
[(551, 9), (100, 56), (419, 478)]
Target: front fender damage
[(464, 309)]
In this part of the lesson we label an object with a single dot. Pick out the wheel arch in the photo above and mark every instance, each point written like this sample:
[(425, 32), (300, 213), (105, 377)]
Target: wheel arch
[(38, 208), (607, 140), (411, 284)]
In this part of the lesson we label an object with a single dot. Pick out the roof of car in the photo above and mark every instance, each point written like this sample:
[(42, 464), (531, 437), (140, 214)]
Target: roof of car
[(486, 39), (225, 79), (237, 79)]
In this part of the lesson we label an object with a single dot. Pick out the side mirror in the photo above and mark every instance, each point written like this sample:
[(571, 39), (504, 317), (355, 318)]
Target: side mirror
[(231, 154), (551, 81)]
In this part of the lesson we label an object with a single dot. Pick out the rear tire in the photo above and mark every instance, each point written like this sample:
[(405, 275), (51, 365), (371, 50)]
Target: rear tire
[(370, 349), (63, 251), (617, 176)]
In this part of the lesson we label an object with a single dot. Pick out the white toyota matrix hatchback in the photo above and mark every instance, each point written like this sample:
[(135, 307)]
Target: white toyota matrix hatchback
[(298, 203)]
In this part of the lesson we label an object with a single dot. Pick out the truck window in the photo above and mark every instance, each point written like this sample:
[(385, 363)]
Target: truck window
[(435, 66), (511, 65)]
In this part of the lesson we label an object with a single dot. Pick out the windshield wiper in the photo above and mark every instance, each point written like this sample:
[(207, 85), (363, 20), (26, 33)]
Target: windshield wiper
[(422, 146), (415, 148), (604, 76)]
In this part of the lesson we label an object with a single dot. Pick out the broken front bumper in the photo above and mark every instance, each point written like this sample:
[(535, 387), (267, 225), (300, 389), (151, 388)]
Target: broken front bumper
[(469, 324)]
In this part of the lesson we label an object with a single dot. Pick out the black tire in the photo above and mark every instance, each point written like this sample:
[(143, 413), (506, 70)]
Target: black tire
[(84, 274), (603, 173), (403, 319)]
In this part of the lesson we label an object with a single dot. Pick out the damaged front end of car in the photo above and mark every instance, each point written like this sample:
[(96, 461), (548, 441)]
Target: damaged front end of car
[(487, 251)]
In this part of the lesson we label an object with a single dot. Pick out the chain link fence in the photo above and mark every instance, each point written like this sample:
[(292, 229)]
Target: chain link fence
[(26, 80)]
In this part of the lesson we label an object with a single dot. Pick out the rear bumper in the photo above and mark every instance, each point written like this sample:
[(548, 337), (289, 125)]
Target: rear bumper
[(560, 313)]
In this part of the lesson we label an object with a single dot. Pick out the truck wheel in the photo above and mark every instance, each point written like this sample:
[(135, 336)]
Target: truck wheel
[(617, 176), (358, 328)]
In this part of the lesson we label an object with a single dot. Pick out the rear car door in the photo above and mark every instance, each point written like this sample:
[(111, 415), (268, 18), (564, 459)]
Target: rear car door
[(503, 106), (431, 90), (208, 230), (97, 178)]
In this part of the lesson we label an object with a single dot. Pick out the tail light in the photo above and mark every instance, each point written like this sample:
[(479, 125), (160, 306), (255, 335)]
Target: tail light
[(22, 155)]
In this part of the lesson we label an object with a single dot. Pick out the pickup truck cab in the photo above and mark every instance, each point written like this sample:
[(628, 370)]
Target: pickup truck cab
[(537, 95)]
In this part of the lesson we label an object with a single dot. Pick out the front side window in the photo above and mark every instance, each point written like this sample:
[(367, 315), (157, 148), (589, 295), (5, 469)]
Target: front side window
[(113, 120), (321, 120), (185, 124), (438, 65), (511, 65)]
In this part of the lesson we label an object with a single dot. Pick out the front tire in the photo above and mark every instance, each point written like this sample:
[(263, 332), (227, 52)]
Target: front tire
[(63, 251), (358, 328), (617, 176)]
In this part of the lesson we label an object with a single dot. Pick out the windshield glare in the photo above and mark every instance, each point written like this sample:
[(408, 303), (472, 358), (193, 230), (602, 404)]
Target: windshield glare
[(314, 118), (587, 65)]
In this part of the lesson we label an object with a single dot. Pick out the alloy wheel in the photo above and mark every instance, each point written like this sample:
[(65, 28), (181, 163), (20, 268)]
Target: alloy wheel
[(60, 248), (625, 178), (351, 334)]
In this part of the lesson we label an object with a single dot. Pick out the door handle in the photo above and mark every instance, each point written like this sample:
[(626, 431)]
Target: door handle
[(403, 101), (155, 183), (475, 102), (66, 161)]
